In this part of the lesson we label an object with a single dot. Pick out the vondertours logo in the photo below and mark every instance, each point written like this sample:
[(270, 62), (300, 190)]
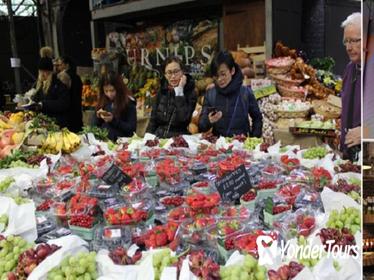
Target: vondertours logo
[(268, 250)]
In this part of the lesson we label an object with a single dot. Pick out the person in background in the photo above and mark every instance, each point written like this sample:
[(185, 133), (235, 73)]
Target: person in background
[(350, 137), (116, 109), (228, 105), (51, 96), (175, 102), (65, 65)]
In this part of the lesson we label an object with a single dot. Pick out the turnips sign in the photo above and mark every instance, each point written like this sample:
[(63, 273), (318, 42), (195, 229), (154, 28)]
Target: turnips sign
[(188, 55), (194, 42)]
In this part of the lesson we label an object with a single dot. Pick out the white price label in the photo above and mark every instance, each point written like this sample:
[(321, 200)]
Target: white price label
[(103, 187), (115, 233), (41, 219)]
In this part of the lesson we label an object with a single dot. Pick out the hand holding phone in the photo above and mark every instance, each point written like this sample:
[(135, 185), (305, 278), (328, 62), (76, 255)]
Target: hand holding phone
[(212, 110)]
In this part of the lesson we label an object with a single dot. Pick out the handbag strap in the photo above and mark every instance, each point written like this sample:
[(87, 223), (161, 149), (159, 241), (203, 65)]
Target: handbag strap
[(233, 114)]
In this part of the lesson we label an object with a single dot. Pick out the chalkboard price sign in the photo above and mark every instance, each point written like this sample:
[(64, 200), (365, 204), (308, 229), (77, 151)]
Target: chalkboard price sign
[(234, 184), (114, 175)]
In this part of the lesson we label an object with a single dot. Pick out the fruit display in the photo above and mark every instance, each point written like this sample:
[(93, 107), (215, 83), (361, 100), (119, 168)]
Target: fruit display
[(182, 209), (30, 259), (10, 250), (168, 171), (82, 266), (119, 256), (203, 266), (203, 201), (161, 260), (5, 183), (250, 269), (19, 200), (315, 153), (290, 163), (248, 196), (343, 238), (125, 216), (348, 218), (321, 176), (64, 141), (251, 143), (289, 192), (172, 201), (348, 167), (316, 124), (299, 224), (179, 142), (285, 272), (3, 222), (159, 236)]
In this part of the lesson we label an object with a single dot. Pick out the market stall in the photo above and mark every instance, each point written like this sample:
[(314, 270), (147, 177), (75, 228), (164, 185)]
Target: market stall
[(190, 207), (298, 100)]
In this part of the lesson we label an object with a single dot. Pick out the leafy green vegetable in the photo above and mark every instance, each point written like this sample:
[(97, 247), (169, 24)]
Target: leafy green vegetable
[(99, 133), (325, 63)]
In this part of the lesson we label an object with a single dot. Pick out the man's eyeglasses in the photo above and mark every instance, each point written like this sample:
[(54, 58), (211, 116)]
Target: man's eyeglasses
[(172, 72), (351, 41)]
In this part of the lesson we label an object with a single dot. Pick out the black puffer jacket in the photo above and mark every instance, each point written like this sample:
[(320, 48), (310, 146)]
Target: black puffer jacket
[(172, 110), (75, 112), (225, 100), (56, 102)]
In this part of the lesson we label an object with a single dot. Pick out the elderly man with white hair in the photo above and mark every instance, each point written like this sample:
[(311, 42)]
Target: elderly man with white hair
[(350, 139)]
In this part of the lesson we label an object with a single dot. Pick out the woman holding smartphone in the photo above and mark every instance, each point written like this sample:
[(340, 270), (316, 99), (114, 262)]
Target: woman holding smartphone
[(228, 105), (175, 102), (116, 109)]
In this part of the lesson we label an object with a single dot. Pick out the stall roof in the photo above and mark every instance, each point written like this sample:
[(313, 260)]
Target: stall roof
[(135, 7)]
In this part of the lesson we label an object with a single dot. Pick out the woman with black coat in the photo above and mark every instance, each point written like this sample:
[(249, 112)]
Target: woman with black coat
[(175, 102), (116, 110), (228, 105), (65, 64), (51, 97)]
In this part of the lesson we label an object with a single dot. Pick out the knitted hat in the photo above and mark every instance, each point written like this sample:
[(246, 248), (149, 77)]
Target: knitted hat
[(46, 64)]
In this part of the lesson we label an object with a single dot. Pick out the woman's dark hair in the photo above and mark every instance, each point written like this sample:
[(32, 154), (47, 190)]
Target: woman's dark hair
[(171, 59), (223, 57), (122, 93), (69, 61)]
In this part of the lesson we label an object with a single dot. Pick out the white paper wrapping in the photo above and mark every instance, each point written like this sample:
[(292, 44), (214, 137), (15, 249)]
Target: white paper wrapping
[(305, 274), (336, 200), (106, 268), (22, 219), (70, 245), (221, 143), (186, 273)]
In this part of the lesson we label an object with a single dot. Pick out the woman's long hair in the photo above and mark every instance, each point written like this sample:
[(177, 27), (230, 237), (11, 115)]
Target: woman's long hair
[(44, 85), (122, 94)]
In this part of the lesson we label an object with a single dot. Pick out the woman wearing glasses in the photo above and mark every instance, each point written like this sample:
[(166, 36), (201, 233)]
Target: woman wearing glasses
[(175, 102), (350, 138), (228, 105)]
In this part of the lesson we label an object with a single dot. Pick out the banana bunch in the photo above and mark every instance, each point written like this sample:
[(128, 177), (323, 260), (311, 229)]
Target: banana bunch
[(4, 125), (16, 118), (65, 141)]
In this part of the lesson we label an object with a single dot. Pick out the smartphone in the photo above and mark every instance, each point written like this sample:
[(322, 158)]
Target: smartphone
[(212, 110)]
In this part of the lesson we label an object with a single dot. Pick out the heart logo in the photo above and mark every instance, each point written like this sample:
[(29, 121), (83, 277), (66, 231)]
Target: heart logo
[(267, 249)]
